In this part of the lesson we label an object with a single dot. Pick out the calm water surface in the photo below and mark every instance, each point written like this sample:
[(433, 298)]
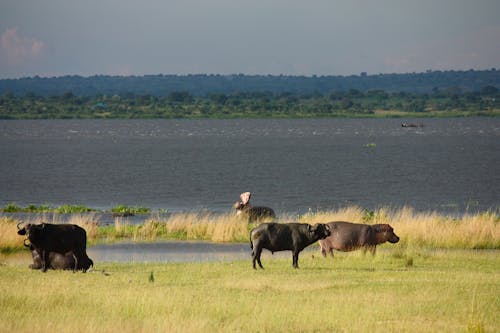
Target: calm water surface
[(169, 251), (449, 165)]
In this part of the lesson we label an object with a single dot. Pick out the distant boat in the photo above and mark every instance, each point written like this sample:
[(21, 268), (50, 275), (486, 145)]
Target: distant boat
[(412, 125)]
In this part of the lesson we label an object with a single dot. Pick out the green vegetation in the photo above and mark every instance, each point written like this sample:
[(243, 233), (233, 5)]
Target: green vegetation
[(70, 209), (201, 84), (436, 279), (123, 209), (64, 209), (413, 291), (351, 103)]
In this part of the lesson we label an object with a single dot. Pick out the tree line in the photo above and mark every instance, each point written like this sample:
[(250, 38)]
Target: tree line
[(203, 84), (183, 104)]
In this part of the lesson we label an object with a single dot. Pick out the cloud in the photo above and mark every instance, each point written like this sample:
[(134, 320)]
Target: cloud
[(17, 50)]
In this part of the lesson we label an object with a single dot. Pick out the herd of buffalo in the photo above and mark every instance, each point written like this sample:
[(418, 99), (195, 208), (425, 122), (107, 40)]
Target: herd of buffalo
[(63, 246)]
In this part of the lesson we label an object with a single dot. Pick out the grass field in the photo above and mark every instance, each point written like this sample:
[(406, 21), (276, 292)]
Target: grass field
[(443, 276), (395, 291)]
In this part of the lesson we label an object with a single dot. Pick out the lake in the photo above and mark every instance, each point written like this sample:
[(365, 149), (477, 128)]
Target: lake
[(292, 165)]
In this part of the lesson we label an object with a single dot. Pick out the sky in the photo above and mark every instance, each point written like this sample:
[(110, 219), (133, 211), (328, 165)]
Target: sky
[(290, 37)]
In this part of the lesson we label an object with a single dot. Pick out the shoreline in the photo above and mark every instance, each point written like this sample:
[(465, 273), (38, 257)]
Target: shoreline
[(417, 230)]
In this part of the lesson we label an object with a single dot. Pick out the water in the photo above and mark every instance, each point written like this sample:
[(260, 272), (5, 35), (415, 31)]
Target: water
[(449, 165), (169, 251)]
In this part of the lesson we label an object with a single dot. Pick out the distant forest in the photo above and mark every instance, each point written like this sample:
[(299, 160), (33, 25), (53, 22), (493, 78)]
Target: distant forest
[(430, 94), (200, 85)]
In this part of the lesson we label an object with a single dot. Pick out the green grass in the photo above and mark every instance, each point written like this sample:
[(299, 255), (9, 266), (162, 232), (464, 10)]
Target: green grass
[(414, 291), (31, 208), (130, 210)]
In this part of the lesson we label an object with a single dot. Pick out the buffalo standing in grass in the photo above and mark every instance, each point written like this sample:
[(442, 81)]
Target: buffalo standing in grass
[(285, 237), (254, 213), (347, 236), (64, 239)]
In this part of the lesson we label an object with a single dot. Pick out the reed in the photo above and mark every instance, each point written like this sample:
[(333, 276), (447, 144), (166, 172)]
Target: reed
[(416, 229), (196, 226), (9, 239), (424, 229)]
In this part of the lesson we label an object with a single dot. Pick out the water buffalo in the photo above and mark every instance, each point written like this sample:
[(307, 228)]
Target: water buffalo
[(57, 260), (285, 237), (347, 236), (254, 213), (64, 239)]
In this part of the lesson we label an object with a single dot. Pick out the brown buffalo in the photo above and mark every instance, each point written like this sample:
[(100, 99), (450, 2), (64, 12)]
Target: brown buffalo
[(347, 236)]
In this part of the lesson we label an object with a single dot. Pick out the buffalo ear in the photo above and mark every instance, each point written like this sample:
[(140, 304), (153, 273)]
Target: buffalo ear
[(381, 227), (22, 231), (245, 197)]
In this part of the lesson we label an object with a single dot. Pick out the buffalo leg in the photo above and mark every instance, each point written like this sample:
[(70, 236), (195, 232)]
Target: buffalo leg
[(45, 260), (295, 259), (76, 262), (257, 251), (323, 251), (258, 259), (79, 255)]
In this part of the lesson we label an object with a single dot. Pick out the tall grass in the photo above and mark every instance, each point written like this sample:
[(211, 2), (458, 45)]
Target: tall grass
[(416, 229), (195, 226), (9, 239), (424, 229)]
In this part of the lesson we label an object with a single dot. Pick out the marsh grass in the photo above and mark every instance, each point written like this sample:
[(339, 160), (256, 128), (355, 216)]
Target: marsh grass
[(9, 239), (416, 230), (443, 291), (426, 229), (124, 209), (64, 209)]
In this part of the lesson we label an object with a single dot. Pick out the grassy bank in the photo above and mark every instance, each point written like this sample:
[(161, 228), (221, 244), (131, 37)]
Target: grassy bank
[(438, 291), (70, 209), (416, 229)]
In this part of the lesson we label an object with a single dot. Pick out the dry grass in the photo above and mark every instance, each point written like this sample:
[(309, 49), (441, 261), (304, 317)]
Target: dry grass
[(195, 226), (428, 229), (9, 239), (416, 229)]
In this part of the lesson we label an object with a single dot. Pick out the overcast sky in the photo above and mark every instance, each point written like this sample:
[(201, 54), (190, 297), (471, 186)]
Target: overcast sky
[(294, 37)]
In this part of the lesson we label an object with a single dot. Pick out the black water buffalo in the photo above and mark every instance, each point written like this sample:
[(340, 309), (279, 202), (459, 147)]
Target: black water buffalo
[(282, 237), (64, 239), (254, 213), (58, 260), (347, 236)]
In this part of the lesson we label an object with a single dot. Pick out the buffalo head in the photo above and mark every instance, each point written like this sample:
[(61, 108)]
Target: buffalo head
[(33, 232), (321, 230), (386, 232)]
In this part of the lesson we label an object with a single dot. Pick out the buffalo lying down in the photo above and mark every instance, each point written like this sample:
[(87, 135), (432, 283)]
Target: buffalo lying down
[(58, 260), (282, 237), (254, 213), (64, 239), (347, 236)]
